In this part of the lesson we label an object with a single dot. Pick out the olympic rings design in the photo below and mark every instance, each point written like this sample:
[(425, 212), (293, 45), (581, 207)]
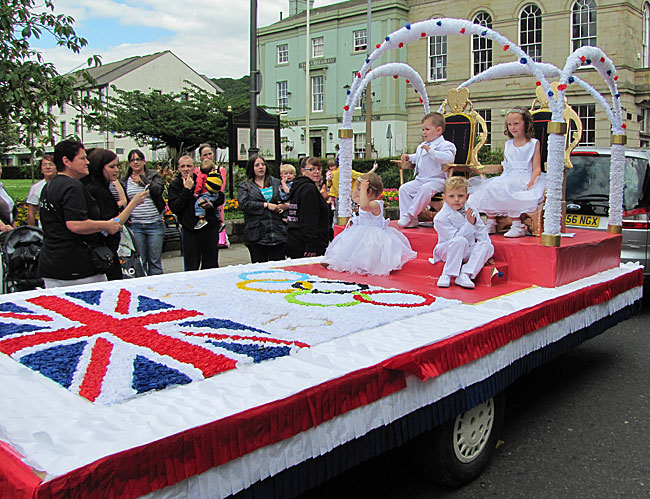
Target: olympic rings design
[(301, 276), (292, 298), (363, 297), (245, 286), (311, 285)]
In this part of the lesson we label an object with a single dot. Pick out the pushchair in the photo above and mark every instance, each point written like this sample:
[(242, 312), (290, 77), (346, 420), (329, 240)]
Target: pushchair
[(19, 253), (130, 260)]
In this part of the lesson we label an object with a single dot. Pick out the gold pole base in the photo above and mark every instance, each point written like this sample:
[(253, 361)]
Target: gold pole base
[(550, 240), (342, 220), (615, 229)]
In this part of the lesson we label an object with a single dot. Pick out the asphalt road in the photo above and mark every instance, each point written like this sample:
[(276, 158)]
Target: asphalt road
[(578, 427)]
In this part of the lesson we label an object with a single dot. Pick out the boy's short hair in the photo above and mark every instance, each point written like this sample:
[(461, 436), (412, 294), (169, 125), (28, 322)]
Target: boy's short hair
[(437, 119), (455, 183), (207, 165), (287, 168), (374, 181)]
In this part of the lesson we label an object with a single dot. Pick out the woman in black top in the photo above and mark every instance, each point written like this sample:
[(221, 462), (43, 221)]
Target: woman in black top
[(70, 217), (259, 199), (102, 170)]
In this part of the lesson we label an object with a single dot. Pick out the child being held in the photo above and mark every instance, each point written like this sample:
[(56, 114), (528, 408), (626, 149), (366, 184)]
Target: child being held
[(520, 188), (368, 245), (287, 174), (463, 242), (429, 179), (208, 184)]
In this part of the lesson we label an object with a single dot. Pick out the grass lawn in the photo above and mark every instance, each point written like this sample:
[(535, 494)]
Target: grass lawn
[(18, 188)]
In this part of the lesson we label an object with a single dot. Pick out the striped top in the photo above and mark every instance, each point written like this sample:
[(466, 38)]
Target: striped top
[(146, 213)]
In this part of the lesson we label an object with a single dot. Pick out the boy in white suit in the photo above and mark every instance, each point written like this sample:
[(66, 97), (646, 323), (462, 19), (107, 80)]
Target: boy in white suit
[(430, 178), (463, 241)]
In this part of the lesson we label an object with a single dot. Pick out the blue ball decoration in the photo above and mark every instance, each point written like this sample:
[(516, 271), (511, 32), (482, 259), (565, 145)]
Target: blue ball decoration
[(588, 61), (367, 61), (523, 60), (408, 25), (571, 79), (484, 33), (550, 93), (439, 23), (348, 92), (388, 38), (609, 72), (618, 96)]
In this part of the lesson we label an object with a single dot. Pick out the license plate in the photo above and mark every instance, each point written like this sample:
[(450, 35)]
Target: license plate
[(582, 220)]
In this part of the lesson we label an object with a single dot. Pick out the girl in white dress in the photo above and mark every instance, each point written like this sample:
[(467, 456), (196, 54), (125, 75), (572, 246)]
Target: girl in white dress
[(520, 188), (368, 245)]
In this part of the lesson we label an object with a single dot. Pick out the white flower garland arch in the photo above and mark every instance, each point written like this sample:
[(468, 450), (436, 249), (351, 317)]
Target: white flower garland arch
[(555, 160)]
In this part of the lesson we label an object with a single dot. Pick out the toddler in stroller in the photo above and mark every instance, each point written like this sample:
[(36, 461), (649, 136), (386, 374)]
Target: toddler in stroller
[(19, 252)]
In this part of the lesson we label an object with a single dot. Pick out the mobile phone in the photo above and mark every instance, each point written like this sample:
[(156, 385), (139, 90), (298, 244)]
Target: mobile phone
[(146, 187)]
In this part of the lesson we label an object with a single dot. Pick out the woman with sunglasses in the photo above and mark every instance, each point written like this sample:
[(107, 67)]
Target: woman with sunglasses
[(146, 221), (308, 220)]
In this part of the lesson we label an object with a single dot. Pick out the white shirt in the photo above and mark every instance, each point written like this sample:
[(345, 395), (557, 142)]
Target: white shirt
[(429, 164)]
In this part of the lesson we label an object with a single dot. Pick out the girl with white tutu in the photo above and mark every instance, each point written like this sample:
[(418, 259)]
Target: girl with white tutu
[(520, 188), (368, 245)]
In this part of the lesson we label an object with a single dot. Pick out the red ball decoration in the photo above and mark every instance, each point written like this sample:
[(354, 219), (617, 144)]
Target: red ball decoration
[(506, 47), (583, 58), (395, 76), (358, 75), (378, 45), (602, 59), (615, 77), (538, 83), (421, 101), (561, 87), (400, 45), (624, 125), (462, 30), (347, 108), (407, 82), (423, 35)]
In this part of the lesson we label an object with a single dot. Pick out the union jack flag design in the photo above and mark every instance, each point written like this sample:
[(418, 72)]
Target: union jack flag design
[(135, 345)]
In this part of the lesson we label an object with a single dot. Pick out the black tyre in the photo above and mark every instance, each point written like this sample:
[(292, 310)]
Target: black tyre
[(458, 451)]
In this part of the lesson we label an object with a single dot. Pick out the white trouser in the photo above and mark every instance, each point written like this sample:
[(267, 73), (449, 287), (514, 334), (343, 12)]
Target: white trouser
[(416, 194), (457, 250)]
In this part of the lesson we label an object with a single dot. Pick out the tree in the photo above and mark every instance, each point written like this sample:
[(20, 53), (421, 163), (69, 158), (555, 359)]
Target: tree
[(29, 86), (166, 120)]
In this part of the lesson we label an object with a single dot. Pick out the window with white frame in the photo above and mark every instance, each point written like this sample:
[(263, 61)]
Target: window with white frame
[(583, 23), (645, 35), (437, 58), (359, 145), (283, 53), (64, 130), (486, 114), (644, 120), (317, 93), (283, 97), (360, 38), (481, 45), (587, 114), (530, 31), (317, 47)]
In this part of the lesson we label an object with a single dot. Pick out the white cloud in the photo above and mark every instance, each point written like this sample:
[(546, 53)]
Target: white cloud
[(212, 36)]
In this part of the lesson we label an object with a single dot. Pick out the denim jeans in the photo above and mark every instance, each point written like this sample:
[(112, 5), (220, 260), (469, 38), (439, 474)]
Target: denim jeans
[(148, 239)]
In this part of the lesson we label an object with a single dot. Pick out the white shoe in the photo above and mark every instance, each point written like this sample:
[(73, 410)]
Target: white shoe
[(516, 231), (464, 281), (444, 281), (408, 222), (404, 221)]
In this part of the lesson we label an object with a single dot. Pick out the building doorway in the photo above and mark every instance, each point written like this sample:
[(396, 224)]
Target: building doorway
[(316, 147)]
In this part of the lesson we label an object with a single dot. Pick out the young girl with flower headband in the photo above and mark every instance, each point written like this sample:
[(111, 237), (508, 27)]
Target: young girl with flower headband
[(520, 188), (368, 245)]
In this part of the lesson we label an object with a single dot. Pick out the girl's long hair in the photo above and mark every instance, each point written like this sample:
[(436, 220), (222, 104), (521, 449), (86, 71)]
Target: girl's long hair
[(98, 158), (250, 170), (528, 122)]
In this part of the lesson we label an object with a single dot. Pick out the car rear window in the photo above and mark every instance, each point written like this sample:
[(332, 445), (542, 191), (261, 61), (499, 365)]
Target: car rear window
[(588, 181)]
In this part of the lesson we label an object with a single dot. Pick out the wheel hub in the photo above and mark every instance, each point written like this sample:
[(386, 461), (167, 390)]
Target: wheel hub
[(472, 430)]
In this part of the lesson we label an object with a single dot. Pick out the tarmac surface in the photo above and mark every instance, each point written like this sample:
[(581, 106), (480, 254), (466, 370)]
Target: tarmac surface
[(236, 254)]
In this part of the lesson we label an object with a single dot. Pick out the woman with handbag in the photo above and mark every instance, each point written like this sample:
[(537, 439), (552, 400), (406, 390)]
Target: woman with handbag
[(72, 249), (146, 221), (103, 169)]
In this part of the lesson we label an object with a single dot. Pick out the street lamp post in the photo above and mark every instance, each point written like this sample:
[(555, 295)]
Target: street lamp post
[(253, 149)]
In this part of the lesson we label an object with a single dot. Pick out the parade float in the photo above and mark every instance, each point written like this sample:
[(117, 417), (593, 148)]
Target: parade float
[(269, 379)]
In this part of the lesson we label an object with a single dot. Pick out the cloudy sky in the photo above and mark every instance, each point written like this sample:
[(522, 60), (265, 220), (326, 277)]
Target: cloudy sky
[(212, 36)]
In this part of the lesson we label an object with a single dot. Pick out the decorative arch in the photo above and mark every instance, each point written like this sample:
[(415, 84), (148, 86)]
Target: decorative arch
[(462, 27)]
